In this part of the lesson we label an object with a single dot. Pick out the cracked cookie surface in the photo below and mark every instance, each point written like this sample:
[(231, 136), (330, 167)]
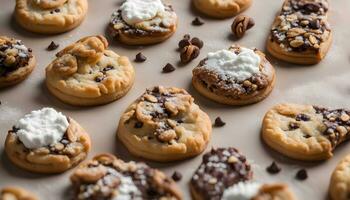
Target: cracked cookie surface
[(106, 177), (47, 155), (16, 193), (301, 33), (50, 16), (164, 124), (87, 73), (305, 132), (148, 31), (221, 8), (239, 81), (16, 61)]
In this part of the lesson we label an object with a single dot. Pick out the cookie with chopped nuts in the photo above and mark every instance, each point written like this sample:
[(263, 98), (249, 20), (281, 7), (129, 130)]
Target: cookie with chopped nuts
[(164, 124), (305, 132), (139, 22), (16, 61), (16, 193), (220, 169), (236, 76), (46, 142), (221, 8), (50, 16), (86, 73), (339, 186), (106, 177), (301, 33)]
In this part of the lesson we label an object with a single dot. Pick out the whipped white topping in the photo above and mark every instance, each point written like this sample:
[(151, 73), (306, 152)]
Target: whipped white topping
[(241, 191), (135, 11), (127, 189), (41, 128), (229, 65)]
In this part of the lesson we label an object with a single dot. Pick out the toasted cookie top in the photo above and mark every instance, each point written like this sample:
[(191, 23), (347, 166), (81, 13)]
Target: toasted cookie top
[(107, 177)]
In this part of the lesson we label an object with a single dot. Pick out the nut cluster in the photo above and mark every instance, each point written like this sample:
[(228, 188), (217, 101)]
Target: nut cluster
[(189, 48), (241, 24)]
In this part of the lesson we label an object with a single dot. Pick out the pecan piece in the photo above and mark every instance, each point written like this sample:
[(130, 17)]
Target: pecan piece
[(241, 24), (189, 53)]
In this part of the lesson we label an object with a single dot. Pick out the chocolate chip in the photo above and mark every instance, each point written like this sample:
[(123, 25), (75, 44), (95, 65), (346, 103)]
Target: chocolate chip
[(99, 79), (293, 126), (107, 68), (168, 68), (140, 57), (138, 125), (187, 37), (14, 129), (301, 175), (273, 168), (183, 43), (302, 117), (197, 42), (197, 22), (219, 122), (57, 10), (177, 176), (312, 7), (52, 46), (30, 49), (315, 24)]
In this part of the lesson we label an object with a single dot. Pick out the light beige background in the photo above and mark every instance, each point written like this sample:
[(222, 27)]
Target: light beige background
[(324, 84)]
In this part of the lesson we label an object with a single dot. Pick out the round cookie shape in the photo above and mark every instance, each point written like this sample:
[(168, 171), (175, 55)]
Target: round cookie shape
[(106, 177), (221, 8), (220, 169), (237, 76), (46, 141), (305, 132), (340, 180), (164, 124), (50, 16), (86, 73), (143, 22), (16, 193), (250, 190), (301, 33), (16, 61)]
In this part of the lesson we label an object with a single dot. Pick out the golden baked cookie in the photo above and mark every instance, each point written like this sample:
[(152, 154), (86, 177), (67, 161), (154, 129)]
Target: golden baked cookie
[(237, 76), (16, 61), (57, 144), (86, 73), (142, 22), (339, 186), (16, 193), (164, 124), (221, 8), (50, 16), (305, 132), (301, 33), (106, 177), (274, 192)]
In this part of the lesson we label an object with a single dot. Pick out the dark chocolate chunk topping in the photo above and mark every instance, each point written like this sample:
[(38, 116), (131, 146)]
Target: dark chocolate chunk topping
[(177, 176), (302, 117), (168, 68), (52, 46), (197, 22), (140, 57), (219, 122), (220, 169)]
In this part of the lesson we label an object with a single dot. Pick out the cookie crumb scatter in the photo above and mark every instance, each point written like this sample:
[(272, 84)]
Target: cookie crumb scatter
[(273, 168), (140, 57), (177, 176), (197, 22), (52, 46), (219, 122), (301, 175), (168, 68)]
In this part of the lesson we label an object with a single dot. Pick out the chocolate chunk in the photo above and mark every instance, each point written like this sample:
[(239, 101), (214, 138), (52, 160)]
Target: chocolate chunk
[(301, 175), (183, 43), (177, 176), (99, 79), (302, 117), (315, 24), (197, 22), (293, 126), (312, 7), (140, 57), (52, 46), (168, 68), (197, 42), (219, 122), (273, 168), (107, 68), (138, 125), (57, 10)]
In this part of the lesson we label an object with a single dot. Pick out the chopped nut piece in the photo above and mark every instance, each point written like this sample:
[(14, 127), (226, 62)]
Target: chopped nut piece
[(296, 43), (241, 24)]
